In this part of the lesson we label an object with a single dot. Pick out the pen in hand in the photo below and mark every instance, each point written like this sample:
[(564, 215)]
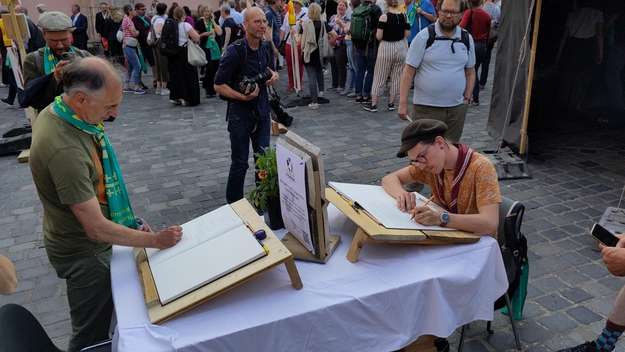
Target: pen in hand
[(424, 205)]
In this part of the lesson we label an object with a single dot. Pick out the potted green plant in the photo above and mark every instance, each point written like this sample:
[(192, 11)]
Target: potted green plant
[(266, 195)]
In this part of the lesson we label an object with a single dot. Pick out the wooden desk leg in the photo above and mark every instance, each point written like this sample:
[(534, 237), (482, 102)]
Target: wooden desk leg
[(354, 250), (296, 282)]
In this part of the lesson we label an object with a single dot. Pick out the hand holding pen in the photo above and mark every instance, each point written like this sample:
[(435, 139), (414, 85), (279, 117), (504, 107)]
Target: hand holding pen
[(425, 215)]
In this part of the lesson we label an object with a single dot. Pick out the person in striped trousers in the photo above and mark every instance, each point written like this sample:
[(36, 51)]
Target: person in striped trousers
[(393, 28)]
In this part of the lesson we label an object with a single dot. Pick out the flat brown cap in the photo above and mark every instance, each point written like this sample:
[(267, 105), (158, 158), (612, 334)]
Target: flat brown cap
[(418, 131)]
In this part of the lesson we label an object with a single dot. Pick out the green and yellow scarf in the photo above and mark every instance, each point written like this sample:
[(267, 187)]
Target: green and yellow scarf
[(50, 61), (120, 210)]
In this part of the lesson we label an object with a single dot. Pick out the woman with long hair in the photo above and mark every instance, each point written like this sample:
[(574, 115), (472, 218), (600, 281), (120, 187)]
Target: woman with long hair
[(340, 24), (393, 29), (184, 87), (161, 71), (131, 52), (313, 31), (208, 29)]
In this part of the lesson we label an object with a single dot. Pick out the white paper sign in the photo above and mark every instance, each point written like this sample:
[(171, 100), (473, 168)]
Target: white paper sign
[(293, 196)]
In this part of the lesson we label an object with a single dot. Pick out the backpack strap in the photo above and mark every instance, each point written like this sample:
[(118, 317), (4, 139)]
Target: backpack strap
[(464, 38), (431, 36)]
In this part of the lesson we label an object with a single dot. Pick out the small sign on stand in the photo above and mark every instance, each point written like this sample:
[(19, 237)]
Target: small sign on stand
[(302, 200)]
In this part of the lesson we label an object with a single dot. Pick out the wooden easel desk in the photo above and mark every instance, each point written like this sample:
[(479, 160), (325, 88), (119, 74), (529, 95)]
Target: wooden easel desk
[(371, 231), (278, 254)]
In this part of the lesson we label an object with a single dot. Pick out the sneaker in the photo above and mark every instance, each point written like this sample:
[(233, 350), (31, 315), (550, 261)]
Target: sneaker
[(360, 99), (588, 346), (475, 103), (370, 107), (164, 91), (321, 93), (139, 91), (351, 95), (391, 107), (128, 90), (366, 100), (183, 102), (175, 102), (143, 86), (313, 106)]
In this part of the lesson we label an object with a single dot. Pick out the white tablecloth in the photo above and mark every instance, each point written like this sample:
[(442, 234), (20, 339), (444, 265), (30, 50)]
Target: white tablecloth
[(383, 302)]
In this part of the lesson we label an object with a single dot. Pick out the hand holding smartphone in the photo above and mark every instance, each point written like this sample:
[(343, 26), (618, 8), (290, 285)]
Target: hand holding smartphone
[(604, 236)]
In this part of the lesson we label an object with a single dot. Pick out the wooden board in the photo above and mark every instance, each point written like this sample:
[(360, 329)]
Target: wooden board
[(278, 254), (371, 231), (301, 253), (316, 200)]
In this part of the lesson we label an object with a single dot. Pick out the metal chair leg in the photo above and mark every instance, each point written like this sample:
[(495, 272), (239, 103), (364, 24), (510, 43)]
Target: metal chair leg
[(516, 335), (460, 343)]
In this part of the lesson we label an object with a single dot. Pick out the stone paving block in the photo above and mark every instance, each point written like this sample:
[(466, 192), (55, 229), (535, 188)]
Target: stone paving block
[(557, 322), (583, 315), (553, 302), (576, 295)]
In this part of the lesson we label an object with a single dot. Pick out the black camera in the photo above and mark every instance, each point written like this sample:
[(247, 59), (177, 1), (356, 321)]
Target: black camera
[(248, 84)]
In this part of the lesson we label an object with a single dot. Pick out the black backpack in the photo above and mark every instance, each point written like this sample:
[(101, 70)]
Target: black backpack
[(168, 44), (464, 38)]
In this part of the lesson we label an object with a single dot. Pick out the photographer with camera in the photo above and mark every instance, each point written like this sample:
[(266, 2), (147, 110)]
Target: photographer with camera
[(245, 71), (43, 69)]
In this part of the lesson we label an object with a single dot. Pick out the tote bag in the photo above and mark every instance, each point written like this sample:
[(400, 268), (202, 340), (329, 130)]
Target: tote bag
[(195, 54), (325, 50)]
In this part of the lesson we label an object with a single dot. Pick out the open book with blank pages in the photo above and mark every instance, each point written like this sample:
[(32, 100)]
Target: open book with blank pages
[(381, 207), (212, 245)]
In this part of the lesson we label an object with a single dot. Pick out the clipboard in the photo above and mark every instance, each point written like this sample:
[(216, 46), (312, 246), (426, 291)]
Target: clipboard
[(370, 230)]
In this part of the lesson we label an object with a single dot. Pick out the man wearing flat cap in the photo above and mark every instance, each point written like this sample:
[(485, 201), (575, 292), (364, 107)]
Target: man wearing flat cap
[(43, 69), (463, 182)]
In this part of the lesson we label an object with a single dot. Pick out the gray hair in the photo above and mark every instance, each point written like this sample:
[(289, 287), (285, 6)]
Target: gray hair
[(87, 76), (225, 8)]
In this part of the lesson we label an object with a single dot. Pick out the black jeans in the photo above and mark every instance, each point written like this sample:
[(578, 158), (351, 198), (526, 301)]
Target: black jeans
[(339, 66), (209, 76), (20, 331), (480, 57), (243, 129), (486, 65), (10, 79)]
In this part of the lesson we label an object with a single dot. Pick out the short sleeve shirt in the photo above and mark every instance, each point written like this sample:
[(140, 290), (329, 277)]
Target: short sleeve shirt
[(479, 186), (67, 169), (183, 32), (440, 78), (254, 62), (420, 21)]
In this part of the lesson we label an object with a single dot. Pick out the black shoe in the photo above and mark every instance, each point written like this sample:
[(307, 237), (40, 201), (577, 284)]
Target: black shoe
[(442, 345), (391, 107), (370, 107), (588, 346), (6, 101), (366, 100), (360, 99)]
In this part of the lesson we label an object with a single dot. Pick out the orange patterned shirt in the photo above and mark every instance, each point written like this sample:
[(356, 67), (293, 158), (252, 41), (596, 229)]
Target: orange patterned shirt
[(478, 188)]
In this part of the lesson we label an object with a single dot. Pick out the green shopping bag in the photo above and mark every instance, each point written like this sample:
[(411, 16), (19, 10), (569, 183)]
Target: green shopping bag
[(520, 294)]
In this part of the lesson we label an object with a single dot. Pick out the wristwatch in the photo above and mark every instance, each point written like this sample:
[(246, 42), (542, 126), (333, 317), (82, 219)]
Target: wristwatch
[(444, 218)]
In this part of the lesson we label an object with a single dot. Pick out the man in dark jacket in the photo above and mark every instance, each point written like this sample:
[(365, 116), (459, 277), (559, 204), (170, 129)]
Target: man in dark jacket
[(102, 26), (43, 69), (143, 25), (79, 21)]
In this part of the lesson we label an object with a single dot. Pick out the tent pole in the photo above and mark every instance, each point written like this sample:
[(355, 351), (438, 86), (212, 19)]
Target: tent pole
[(530, 79)]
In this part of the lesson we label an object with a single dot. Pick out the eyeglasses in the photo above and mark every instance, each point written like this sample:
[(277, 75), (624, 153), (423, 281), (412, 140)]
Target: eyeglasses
[(421, 158), (449, 13)]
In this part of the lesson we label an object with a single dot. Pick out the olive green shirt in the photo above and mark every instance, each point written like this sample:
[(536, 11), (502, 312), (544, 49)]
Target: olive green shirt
[(67, 169), (41, 89)]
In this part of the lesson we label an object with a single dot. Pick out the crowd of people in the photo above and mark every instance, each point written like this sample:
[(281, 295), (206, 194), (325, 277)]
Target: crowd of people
[(436, 48)]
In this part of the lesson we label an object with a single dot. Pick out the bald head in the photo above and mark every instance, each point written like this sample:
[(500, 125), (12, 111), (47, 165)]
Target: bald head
[(252, 13), (90, 75)]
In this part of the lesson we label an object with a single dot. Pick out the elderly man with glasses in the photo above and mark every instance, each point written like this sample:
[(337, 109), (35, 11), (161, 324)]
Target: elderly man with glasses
[(463, 182), (441, 60)]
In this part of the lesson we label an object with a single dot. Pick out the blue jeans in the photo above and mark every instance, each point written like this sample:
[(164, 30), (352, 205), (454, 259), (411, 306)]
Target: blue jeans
[(365, 63), (350, 81), (134, 66), (242, 129)]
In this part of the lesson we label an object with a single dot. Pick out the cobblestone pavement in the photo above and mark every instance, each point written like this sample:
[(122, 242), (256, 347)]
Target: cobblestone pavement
[(175, 161)]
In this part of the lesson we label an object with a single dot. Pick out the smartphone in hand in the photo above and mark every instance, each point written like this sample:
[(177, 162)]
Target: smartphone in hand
[(604, 236)]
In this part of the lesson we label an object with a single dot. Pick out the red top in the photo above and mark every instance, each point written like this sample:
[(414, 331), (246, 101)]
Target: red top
[(479, 21)]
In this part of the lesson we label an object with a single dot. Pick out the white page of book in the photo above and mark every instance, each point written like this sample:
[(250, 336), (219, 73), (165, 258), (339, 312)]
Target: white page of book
[(382, 207), (216, 244), (205, 263), (198, 230)]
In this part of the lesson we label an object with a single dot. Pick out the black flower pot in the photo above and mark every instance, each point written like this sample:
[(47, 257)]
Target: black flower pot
[(273, 214)]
